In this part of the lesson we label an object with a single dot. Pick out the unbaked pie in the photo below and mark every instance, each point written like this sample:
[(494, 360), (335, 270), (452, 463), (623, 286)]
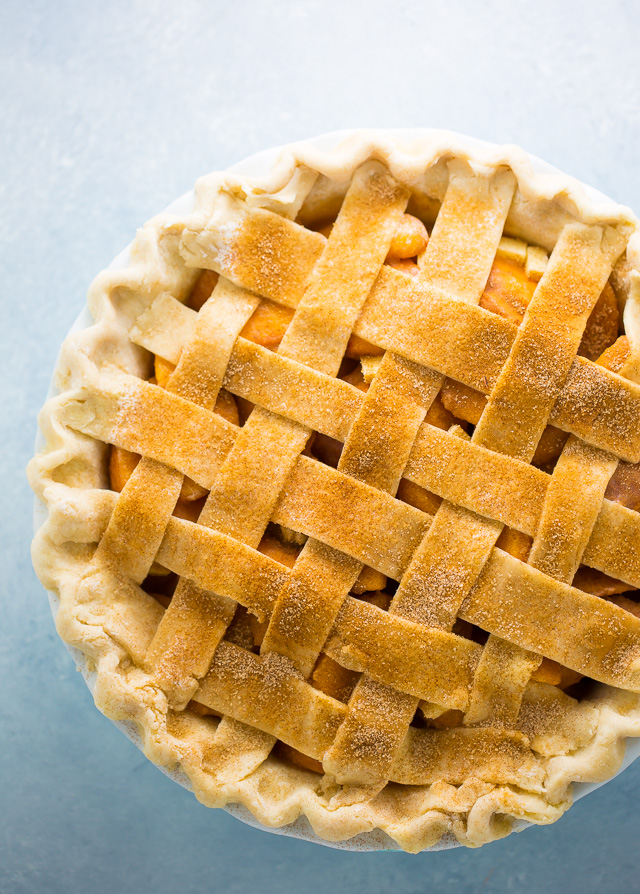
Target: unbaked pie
[(343, 490)]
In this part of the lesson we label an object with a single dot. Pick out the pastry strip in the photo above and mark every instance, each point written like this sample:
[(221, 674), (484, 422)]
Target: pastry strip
[(199, 374), (140, 516), (458, 543), (254, 580), (198, 377), (571, 507), (513, 421), (318, 335), (239, 511), (379, 715)]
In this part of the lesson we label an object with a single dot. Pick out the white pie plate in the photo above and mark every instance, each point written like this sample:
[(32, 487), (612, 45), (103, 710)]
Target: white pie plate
[(256, 166)]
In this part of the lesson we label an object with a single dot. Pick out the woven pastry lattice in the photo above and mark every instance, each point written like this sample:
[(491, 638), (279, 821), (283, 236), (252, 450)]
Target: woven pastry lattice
[(447, 565)]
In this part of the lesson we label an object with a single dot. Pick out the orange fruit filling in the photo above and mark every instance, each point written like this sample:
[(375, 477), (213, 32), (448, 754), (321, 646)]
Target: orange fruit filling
[(369, 580), (602, 326), (418, 496), (201, 292), (508, 290), (121, 466), (409, 240), (515, 543), (407, 265), (268, 324), (333, 679)]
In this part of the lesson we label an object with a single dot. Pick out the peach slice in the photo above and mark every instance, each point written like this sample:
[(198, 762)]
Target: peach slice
[(548, 672), (201, 292), (368, 580), (498, 304), (298, 758), (601, 330), (189, 508), (447, 720), (624, 485), (285, 553), (356, 379), (227, 407), (508, 290), (326, 449), (244, 409), (409, 240), (439, 416), (267, 324), (549, 446), (515, 543), (258, 628), (162, 598), (379, 599), (162, 369), (331, 678), (418, 496), (555, 674), (359, 347), (404, 265), (598, 584), (121, 466), (203, 709)]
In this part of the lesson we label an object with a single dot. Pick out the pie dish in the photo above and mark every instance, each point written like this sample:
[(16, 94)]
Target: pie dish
[(342, 489)]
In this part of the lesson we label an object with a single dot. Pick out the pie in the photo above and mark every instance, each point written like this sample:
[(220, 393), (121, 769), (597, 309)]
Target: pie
[(343, 489)]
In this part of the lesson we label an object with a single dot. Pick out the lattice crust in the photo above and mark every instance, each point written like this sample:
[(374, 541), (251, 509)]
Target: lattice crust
[(516, 734)]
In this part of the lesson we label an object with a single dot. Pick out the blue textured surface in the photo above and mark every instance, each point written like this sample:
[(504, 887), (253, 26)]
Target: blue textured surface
[(109, 112)]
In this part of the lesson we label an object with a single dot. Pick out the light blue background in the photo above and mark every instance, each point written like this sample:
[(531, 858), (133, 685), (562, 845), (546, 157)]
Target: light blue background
[(109, 111)]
